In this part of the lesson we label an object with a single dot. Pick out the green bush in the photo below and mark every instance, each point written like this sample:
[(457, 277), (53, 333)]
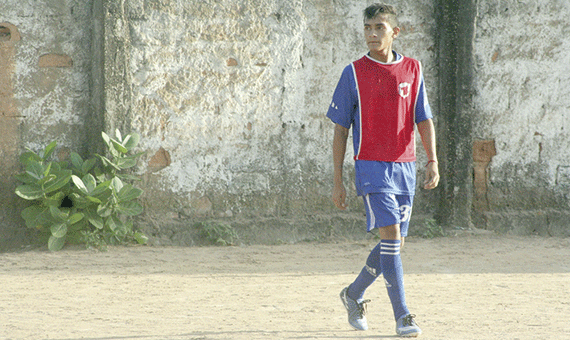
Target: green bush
[(82, 200), (216, 233)]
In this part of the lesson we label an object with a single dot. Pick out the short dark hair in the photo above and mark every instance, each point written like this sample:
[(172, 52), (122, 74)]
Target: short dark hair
[(388, 11)]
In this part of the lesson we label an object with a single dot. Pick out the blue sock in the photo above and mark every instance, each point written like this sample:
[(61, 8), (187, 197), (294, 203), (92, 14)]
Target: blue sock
[(394, 275), (367, 275)]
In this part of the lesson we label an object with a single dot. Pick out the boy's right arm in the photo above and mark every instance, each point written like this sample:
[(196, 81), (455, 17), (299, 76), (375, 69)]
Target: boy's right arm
[(339, 149)]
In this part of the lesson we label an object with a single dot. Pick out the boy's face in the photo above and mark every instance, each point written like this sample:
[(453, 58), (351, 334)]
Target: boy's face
[(379, 35)]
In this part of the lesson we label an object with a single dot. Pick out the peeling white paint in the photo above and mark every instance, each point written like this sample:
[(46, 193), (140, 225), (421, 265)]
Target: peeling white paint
[(522, 86)]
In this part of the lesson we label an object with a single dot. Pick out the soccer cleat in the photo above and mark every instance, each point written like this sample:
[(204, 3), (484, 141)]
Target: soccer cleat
[(406, 327), (356, 311)]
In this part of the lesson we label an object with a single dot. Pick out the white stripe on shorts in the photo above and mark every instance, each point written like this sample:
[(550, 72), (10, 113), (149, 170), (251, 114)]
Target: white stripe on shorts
[(372, 224)]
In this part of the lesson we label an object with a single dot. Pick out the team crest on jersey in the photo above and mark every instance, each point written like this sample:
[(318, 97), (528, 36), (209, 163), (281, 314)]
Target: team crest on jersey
[(404, 89)]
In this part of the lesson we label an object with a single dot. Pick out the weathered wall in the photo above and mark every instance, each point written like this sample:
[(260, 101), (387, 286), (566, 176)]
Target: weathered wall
[(45, 91), (231, 99), (522, 103)]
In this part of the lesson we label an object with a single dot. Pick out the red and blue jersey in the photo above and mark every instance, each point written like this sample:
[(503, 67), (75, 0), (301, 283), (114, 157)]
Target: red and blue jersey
[(382, 102)]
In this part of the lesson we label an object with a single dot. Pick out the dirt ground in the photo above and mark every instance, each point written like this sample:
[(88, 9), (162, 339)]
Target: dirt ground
[(470, 286)]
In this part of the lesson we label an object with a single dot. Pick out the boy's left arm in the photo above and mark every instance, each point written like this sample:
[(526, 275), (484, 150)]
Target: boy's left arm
[(427, 133)]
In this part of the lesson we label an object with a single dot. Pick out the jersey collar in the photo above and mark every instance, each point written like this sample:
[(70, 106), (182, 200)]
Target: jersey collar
[(397, 58)]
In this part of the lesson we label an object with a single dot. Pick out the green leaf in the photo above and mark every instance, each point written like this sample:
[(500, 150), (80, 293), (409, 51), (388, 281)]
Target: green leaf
[(30, 191), (89, 182), (57, 214), (131, 208), (129, 193), (119, 147), (93, 199), (72, 229), (118, 135), (88, 165), (105, 196), (94, 219), (59, 230), (131, 140), (126, 162), (63, 177), (74, 218), (35, 169), (106, 139), (26, 178), (29, 156), (127, 177), (101, 188), (46, 179), (106, 162), (113, 223), (79, 184), (48, 150), (104, 210), (34, 216), (55, 199), (76, 160), (100, 175), (116, 184), (141, 238), (55, 243), (82, 202), (47, 169), (57, 166)]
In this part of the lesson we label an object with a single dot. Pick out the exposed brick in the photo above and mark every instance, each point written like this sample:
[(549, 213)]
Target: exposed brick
[(55, 60), (483, 150), (159, 161), (9, 32)]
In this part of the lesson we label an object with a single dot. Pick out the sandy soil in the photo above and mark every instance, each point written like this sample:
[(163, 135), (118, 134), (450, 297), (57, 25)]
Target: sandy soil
[(469, 286)]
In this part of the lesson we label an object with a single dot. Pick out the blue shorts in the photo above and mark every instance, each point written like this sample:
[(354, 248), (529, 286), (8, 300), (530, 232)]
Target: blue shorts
[(383, 209)]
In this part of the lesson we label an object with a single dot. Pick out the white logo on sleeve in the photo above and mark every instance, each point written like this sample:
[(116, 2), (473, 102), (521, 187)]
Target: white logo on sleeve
[(333, 105)]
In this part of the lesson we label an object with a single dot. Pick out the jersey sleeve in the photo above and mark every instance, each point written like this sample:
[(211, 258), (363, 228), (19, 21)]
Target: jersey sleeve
[(344, 102), (423, 110)]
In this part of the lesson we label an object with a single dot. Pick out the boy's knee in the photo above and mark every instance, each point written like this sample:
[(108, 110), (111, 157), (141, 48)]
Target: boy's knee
[(391, 232)]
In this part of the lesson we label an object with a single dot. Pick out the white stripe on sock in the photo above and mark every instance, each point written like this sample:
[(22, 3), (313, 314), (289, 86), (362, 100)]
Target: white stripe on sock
[(392, 252), (389, 248)]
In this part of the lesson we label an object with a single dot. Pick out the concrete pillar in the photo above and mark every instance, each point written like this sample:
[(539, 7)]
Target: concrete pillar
[(455, 36), (117, 91)]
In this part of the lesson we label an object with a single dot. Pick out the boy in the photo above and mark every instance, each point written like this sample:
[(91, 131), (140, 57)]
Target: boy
[(381, 96)]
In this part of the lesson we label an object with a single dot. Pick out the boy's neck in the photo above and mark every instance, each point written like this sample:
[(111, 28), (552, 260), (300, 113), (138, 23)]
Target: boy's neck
[(383, 56)]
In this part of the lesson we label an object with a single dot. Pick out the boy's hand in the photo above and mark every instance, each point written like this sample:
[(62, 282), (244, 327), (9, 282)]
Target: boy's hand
[(339, 196), (432, 176)]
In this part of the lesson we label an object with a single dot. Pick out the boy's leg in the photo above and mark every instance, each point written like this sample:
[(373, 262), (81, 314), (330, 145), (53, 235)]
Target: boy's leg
[(375, 216), (382, 209), (391, 261), (392, 268), (367, 275), (352, 296)]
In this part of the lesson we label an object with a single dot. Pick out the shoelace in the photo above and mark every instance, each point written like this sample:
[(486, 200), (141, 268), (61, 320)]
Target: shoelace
[(362, 308), (409, 320)]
